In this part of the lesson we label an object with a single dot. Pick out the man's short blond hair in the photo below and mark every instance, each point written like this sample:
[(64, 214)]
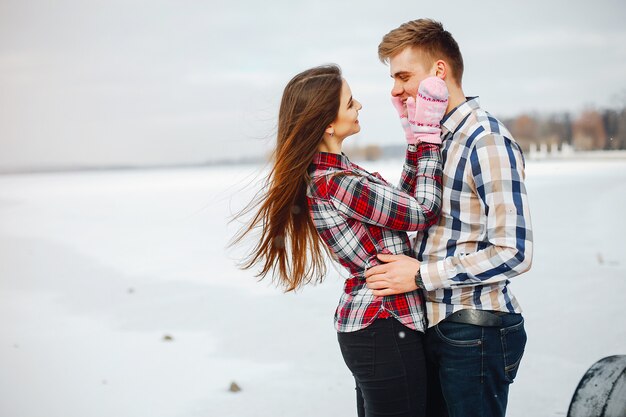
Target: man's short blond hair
[(429, 37)]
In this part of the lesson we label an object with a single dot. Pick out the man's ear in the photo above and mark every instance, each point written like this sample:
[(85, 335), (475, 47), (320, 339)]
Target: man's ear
[(441, 69)]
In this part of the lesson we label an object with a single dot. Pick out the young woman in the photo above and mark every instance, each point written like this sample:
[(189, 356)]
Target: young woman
[(318, 201)]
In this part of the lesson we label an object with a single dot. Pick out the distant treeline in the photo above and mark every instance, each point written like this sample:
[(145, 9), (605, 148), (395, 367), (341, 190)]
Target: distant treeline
[(591, 130)]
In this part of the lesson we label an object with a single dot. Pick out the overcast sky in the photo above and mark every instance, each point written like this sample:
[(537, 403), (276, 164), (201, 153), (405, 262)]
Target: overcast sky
[(86, 83)]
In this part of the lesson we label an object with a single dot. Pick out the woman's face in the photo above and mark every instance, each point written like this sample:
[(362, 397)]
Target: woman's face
[(347, 121)]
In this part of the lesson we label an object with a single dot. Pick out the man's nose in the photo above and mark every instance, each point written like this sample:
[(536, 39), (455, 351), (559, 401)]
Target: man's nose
[(397, 90)]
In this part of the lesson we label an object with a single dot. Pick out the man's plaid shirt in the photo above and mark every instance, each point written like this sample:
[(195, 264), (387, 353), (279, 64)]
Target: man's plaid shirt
[(484, 236), (358, 214)]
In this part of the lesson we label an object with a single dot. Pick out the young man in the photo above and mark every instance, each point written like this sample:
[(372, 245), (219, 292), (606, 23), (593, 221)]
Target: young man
[(476, 338)]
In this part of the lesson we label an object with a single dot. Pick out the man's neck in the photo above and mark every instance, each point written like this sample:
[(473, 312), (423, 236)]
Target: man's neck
[(456, 97)]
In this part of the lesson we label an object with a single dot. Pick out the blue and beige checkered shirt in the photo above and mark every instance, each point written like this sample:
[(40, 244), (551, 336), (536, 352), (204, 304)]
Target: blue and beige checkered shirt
[(483, 237)]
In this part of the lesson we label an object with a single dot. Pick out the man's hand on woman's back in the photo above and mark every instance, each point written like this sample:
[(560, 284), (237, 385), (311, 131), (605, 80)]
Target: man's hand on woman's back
[(395, 276)]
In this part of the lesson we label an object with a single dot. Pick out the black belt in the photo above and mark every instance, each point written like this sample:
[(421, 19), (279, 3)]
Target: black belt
[(477, 318)]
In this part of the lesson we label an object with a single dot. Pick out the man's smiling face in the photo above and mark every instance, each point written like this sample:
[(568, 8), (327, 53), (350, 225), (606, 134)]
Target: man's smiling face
[(408, 69)]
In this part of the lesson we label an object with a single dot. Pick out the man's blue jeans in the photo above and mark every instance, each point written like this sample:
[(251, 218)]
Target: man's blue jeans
[(470, 367)]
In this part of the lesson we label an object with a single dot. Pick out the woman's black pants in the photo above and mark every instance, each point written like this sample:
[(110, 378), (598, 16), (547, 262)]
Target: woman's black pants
[(387, 361)]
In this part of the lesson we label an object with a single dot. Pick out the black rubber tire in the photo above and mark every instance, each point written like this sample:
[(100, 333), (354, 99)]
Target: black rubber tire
[(602, 390)]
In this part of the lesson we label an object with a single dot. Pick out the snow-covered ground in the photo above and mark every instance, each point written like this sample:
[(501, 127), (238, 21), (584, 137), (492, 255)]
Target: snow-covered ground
[(96, 269)]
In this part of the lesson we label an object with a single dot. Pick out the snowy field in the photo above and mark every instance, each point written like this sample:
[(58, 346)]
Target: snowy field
[(99, 270)]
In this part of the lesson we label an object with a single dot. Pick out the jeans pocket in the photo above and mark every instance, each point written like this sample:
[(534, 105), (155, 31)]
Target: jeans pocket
[(358, 351), (458, 334), (513, 342)]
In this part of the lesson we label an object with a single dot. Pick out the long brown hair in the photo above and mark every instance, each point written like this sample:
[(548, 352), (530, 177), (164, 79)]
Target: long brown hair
[(289, 245)]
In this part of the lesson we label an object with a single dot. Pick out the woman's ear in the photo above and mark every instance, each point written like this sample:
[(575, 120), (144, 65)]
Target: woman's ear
[(330, 130)]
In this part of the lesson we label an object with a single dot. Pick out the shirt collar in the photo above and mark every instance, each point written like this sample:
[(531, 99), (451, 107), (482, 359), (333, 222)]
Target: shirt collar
[(453, 119), (331, 160)]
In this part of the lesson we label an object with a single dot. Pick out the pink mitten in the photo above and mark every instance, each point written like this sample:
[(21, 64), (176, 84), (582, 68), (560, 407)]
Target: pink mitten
[(425, 113), (401, 109)]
